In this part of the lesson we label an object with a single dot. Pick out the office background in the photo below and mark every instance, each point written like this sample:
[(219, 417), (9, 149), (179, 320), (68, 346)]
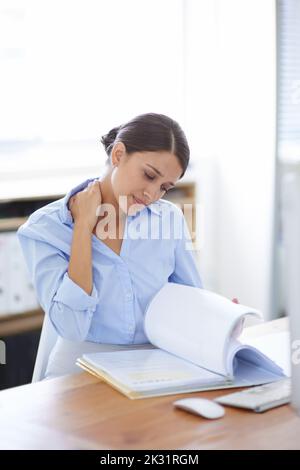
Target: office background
[(72, 70)]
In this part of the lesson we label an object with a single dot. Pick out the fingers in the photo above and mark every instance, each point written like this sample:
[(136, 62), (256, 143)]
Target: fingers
[(71, 201), (96, 186), (88, 186), (91, 185)]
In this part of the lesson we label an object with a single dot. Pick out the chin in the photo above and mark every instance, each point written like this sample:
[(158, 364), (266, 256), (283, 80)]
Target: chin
[(134, 207)]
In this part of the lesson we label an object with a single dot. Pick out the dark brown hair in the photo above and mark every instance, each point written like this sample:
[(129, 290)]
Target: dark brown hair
[(150, 132)]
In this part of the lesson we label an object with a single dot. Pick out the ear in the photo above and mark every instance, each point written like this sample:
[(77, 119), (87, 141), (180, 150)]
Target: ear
[(118, 152)]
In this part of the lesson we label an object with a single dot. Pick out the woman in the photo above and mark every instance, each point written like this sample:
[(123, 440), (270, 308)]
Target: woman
[(99, 255)]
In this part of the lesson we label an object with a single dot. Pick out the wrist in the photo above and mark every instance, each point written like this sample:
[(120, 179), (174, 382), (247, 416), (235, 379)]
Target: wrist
[(83, 225)]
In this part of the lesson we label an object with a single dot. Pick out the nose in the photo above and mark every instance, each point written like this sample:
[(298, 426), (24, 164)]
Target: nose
[(152, 191), (150, 195)]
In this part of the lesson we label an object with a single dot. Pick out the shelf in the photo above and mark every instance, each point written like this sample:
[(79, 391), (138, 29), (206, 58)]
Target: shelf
[(20, 322), (47, 183), (11, 224)]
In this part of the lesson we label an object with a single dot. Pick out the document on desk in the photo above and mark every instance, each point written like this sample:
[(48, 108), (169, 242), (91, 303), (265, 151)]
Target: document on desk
[(195, 334), (142, 370)]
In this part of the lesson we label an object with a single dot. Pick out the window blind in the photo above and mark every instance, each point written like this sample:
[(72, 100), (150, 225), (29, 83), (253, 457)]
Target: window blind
[(288, 76)]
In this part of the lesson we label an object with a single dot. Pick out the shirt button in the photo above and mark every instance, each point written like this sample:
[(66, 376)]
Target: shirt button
[(131, 329), (128, 296)]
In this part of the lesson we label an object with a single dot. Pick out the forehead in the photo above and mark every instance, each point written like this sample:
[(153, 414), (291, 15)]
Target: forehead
[(165, 162)]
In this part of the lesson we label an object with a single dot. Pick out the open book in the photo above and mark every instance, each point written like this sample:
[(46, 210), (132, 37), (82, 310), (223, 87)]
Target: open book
[(193, 335)]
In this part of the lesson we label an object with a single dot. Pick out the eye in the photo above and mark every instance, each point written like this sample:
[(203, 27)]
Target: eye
[(149, 176)]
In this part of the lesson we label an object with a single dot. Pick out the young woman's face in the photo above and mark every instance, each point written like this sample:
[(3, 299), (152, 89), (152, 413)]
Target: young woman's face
[(143, 177)]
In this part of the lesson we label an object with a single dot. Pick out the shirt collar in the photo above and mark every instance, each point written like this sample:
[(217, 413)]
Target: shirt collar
[(155, 208), (65, 213)]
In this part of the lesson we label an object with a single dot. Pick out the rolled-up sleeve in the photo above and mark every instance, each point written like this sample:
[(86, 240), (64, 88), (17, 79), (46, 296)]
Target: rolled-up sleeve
[(69, 307), (186, 270)]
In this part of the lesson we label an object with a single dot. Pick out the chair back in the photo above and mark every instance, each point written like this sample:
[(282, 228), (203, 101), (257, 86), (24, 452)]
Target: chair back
[(47, 341)]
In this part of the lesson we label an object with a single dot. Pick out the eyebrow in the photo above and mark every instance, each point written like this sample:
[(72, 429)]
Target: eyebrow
[(159, 173)]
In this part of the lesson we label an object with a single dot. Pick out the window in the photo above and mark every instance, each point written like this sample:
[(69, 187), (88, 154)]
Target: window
[(70, 71), (288, 78)]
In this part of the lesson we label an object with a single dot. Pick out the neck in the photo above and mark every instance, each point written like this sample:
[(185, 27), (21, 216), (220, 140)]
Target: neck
[(108, 196)]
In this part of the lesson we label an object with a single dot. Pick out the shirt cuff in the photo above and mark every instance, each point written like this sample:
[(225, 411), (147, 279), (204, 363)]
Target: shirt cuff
[(73, 296)]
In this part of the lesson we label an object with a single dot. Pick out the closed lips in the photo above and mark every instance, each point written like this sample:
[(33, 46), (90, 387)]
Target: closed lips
[(138, 201)]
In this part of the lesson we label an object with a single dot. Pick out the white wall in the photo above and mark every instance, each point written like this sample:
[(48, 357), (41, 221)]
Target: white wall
[(231, 119), (72, 70)]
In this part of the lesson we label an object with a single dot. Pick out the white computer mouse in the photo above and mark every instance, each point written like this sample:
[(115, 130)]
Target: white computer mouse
[(201, 406)]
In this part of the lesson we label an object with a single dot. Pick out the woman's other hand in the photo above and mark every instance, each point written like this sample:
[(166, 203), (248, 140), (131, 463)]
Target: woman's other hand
[(84, 205)]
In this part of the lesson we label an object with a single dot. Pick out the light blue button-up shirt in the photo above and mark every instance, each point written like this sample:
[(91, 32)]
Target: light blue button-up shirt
[(123, 285)]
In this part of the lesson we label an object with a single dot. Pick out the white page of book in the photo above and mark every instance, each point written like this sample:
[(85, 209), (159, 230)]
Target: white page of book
[(150, 369), (248, 375), (276, 346), (195, 324), (240, 353)]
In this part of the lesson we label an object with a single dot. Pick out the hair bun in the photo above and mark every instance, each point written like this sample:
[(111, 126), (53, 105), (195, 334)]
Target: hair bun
[(108, 139)]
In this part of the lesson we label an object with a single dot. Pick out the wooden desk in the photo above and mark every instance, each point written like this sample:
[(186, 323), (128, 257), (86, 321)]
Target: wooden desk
[(80, 412)]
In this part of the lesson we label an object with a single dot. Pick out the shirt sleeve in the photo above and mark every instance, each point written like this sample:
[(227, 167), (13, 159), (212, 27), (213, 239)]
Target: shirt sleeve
[(69, 307), (186, 270)]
